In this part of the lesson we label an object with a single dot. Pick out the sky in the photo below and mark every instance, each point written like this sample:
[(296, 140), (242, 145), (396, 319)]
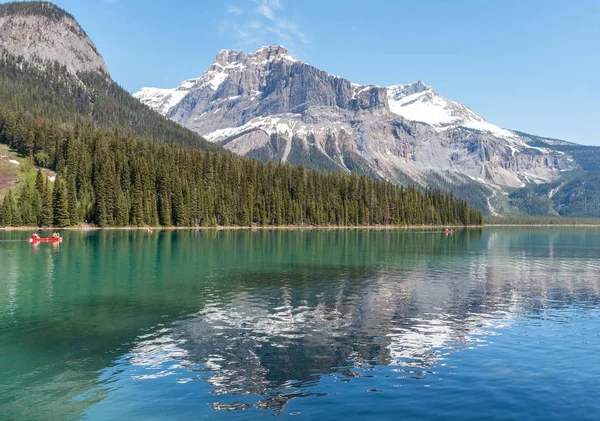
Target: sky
[(528, 65)]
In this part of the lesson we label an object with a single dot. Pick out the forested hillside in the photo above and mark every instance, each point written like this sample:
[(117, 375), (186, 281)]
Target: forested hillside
[(110, 179), (575, 195), (91, 98)]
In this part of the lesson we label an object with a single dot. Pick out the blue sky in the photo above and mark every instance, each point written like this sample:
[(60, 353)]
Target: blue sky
[(528, 65)]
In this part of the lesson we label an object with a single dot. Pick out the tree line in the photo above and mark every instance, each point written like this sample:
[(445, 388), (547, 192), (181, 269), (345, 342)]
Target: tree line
[(113, 179), (540, 220)]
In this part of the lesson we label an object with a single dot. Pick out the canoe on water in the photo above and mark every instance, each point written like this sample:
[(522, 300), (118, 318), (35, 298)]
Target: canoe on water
[(45, 240)]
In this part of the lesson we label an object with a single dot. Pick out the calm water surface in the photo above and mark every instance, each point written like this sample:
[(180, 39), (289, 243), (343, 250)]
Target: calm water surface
[(494, 324)]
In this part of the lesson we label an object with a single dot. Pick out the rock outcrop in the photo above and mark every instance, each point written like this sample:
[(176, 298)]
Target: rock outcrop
[(41, 32)]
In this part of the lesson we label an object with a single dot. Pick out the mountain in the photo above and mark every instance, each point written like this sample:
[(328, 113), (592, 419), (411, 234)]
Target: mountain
[(41, 32), (49, 67), (104, 158), (270, 106)]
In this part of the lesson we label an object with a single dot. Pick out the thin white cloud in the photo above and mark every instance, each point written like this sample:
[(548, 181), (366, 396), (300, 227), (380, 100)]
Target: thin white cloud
[(262, 22), (234, 10), (268, 8), (266, 11)]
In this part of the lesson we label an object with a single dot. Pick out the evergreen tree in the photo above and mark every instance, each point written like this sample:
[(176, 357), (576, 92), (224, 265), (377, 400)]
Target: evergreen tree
[(47, 215), (6, 211), (14, 210), (72, 199), (43, 200), (137, 211), (25, 204), (60, 203), (122, 210)]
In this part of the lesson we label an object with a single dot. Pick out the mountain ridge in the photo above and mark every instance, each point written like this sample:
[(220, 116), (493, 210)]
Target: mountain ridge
[(271, 106), (42, 32)]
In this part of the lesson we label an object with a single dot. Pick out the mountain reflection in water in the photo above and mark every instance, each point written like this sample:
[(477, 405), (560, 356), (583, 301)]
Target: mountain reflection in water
[(275, 342), (114, 323)]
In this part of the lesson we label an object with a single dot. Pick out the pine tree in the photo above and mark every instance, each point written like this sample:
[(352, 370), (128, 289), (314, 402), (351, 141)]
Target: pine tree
[(137, 210), (6, 209), (25, 204), (14, 211), (122, 210), (47, 214), (72, 199), (60, 203)]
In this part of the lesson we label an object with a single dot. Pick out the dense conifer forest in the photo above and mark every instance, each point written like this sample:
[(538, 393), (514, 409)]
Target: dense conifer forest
[(118, 163), (113, 180)]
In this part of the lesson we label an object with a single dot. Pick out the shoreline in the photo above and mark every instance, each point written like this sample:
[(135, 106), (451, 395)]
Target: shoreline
[(296, 227), (542, 225), (252, 228)]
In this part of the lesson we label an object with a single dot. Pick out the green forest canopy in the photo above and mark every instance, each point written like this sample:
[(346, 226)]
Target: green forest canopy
[(114, 180)]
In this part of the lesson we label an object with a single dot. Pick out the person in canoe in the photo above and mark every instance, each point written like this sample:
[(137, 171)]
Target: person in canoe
[(35, 236), (55, 235)]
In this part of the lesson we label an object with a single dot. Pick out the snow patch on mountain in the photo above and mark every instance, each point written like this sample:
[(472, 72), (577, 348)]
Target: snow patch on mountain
[(419, 102), (274, 53), (160, 100), (288, 125), (213, 79)]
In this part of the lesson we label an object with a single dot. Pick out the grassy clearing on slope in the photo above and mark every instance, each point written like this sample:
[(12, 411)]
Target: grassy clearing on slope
[(9, 171), (13, 174)]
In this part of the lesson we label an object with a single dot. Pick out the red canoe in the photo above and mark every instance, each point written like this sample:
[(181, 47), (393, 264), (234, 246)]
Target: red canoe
[(45, 240)]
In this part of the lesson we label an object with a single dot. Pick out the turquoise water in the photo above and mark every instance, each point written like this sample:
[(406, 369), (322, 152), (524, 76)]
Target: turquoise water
[(493, 324)]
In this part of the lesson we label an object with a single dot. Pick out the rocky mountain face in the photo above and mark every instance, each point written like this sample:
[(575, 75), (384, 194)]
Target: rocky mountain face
[(49, 67), (270, 106), (41, 32)]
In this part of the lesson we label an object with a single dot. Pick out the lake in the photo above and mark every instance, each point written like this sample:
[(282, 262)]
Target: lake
[(490, 324)]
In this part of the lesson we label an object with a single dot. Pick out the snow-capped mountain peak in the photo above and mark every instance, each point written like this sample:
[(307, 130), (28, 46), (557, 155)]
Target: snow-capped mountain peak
[(162, 100), (400, 91), (228, 63), (420, 102), (271, 53), (233, 59)]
